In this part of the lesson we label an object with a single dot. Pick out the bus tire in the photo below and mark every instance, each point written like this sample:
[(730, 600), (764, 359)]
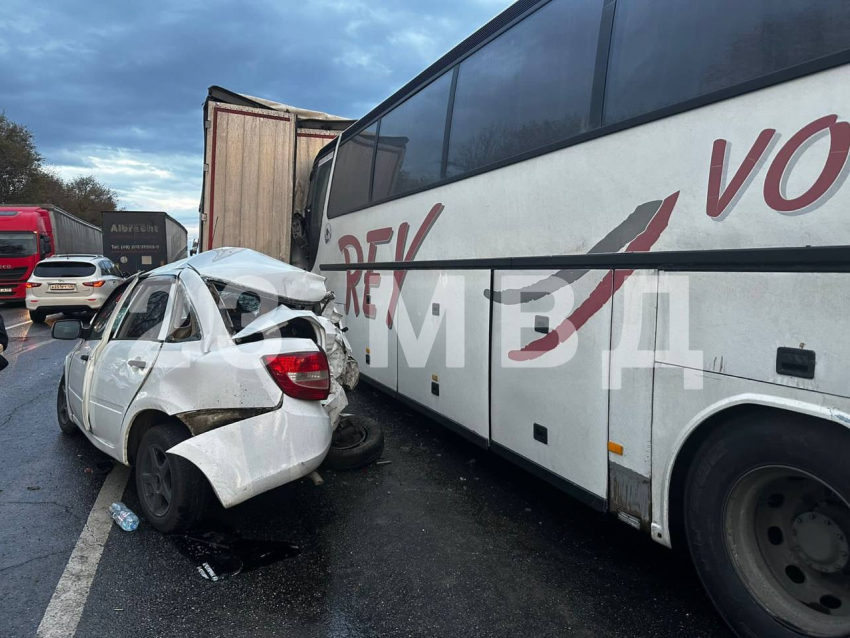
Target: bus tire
[(357, 442), (36, 316), (173, 493), (767, 520)]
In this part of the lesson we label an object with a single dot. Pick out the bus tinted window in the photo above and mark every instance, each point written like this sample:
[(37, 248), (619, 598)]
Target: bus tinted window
[(410, 148), (667, 51), (529, 87), (353, 173)]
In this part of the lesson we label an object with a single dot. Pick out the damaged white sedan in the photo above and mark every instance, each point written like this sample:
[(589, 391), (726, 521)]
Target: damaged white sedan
[(222, 370)]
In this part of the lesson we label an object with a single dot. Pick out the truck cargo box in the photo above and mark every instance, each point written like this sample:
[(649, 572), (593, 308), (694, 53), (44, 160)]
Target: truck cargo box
[(257, 170), (143, 240)]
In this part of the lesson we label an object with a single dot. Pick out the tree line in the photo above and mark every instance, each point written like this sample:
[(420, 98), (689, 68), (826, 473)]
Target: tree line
[(25, 180)]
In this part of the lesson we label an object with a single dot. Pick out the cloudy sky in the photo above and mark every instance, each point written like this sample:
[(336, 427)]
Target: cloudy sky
[(115, 89)]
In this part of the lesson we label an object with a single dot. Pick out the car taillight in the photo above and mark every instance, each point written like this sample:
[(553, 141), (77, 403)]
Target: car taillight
[(301, 375), (94, 284), (32, 284)]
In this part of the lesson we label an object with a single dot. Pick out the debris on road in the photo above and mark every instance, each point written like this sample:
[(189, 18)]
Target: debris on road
[(219, 555), (124, 516)]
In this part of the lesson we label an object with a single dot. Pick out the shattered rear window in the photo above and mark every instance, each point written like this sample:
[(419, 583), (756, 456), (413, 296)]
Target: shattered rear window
[(240, 306)]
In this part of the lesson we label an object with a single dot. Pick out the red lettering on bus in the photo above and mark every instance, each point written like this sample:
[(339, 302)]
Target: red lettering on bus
[(718, 202), (400, 275), (839, 147), (352, 277), (371, 278)]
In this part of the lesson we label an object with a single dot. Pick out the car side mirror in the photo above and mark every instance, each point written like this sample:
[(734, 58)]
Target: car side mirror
[(67, 329)]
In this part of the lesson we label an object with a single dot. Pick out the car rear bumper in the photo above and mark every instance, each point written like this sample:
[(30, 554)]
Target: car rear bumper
[(250, 457), (60, 303)]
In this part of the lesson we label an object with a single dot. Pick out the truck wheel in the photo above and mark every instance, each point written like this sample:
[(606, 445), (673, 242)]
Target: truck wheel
[(172, 491), (36, 316), (357, 442), (65, 423), (767, 517)]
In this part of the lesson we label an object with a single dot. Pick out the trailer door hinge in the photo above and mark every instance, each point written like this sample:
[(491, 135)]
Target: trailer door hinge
[(206, 168), (207, 124)]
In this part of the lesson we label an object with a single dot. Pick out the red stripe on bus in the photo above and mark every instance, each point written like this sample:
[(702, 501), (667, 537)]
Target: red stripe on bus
[(603, 292)]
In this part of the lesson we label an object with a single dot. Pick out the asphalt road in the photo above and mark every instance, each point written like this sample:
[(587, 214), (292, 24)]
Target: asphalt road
[(445, 540)]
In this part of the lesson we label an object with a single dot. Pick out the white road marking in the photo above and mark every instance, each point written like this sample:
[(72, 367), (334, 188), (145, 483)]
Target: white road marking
[(18, 325), (66, 606)]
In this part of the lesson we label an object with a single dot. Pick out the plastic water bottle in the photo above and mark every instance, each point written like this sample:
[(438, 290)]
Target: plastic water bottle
[(125, 518)]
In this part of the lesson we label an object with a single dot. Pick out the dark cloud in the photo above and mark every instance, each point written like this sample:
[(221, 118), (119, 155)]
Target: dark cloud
[(92, 77)]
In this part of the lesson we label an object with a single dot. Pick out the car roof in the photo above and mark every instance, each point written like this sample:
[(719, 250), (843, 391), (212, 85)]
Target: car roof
[(254, 270)]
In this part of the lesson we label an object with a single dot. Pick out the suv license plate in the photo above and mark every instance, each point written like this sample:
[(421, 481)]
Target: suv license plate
[(6, 291), (62, 287)]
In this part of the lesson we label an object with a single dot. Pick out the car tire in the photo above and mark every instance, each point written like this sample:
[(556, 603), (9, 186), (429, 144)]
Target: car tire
[(173, 492), (357, 442), (767, 518), (36, 316), (62, 415)]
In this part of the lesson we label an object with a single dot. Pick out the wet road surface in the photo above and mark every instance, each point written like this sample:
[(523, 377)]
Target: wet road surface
[(445, 540)]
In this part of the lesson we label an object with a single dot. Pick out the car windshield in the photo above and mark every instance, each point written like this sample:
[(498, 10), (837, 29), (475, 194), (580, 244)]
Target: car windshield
[(18, 244), (64, 269)]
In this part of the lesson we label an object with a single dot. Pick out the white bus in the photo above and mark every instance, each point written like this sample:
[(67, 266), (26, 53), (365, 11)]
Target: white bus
[(619, 231)]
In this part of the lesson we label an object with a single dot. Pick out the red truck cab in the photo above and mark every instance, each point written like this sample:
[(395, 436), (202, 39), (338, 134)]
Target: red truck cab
[(26, 237)]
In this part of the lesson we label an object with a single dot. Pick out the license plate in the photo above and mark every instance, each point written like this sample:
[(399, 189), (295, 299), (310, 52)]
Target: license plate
[(6, 291), (62, 287)]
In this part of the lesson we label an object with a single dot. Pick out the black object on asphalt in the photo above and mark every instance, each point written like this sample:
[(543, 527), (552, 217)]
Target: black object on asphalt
[(219, 555)]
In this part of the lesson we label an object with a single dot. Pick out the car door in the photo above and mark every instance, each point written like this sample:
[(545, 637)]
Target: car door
[(123, 363), (81, 356)]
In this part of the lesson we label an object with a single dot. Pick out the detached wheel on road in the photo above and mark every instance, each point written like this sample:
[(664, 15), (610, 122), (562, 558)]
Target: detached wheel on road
[(172, 491), (357, 442), (65, 424), (767, 515), (36, 316)]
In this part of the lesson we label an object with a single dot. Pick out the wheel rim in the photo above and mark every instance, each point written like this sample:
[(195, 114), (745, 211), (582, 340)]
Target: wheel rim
[(156, 480), (787, 534), (62, 406), (349, 436)]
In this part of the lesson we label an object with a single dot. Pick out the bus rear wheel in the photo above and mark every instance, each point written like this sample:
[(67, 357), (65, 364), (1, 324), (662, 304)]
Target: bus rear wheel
[(767, 517)]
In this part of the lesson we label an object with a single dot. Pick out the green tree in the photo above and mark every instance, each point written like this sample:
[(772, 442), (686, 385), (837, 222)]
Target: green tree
[(86, 198), (20, 162), (23, 179)]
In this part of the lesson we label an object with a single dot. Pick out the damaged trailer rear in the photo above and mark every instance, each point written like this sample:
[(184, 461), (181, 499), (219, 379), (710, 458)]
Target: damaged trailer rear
[(258, 157)]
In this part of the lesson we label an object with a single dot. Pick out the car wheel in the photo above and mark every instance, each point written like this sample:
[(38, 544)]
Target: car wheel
[(172, 491), (62, 415), (767, 518), (36, 316), (357, 442)]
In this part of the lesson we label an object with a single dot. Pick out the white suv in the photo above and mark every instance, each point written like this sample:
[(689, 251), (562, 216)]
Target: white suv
[(70, 283)]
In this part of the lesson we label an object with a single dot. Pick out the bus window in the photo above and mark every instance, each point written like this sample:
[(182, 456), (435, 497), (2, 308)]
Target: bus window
[(353, 173), (664, 52), (410, 148), (529, 87)]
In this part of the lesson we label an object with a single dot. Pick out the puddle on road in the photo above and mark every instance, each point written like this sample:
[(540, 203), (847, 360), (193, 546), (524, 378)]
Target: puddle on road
[(219, 555)]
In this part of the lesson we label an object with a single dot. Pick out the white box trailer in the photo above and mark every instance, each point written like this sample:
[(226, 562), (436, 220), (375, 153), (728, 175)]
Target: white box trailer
[(258, 157)]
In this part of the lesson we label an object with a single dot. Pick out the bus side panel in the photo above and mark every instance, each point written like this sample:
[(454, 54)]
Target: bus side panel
[(444, 341), (375, 345), (782, 328), (630, 405), (549, 397)]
